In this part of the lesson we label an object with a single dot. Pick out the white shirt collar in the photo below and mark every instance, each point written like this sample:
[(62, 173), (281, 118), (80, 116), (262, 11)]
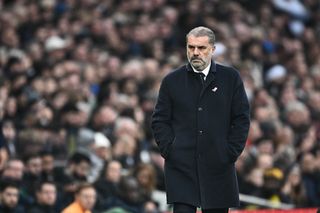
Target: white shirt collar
[(205, 71)]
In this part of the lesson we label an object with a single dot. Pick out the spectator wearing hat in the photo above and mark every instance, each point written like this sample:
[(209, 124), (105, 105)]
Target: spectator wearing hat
[(55, 49), (99, 153), (272, 183)]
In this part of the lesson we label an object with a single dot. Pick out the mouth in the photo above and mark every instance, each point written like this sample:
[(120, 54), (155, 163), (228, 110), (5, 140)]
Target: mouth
[(197, 62)]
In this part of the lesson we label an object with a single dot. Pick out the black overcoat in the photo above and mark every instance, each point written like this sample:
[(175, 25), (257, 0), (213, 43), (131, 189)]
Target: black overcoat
[(201, 131)]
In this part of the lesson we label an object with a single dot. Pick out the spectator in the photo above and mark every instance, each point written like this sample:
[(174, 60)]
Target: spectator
[(129, 196), (125, 150), (9, 197), (253, 182), (108, 183), (309, 178), (99, 152), (293, 189), (272, 183), (85, 198), (46, 195), (14, 170), (9, 133), (146, 177), (32, 175), (69, 177), (77, 170), (47, 160)]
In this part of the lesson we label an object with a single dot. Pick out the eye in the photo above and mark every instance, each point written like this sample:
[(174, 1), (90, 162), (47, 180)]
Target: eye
[(191, 47)]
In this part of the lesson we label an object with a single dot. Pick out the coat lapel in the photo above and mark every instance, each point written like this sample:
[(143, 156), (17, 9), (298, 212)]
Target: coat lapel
[(210, 78)]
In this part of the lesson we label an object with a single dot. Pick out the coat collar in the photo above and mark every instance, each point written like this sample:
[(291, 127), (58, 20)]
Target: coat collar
[(210, 78)]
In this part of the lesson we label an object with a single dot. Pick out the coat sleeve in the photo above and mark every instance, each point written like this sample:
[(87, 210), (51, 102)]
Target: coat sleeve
[(161, 120), (240, 121)]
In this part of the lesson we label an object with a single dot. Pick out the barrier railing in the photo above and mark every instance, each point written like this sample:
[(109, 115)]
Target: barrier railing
[(264, 203), (270, 207), (307, 210)]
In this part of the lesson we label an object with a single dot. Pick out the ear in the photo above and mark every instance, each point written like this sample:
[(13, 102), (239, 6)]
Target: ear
[(213, 49), (38, 194)]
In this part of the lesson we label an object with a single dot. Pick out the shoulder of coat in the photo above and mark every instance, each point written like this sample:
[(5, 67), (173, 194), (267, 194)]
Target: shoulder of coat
[(228, 70), (177, 72)]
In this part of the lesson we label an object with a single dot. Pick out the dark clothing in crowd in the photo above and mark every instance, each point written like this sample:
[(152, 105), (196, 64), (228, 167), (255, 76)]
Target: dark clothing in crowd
[(5, 209), (38, 208)]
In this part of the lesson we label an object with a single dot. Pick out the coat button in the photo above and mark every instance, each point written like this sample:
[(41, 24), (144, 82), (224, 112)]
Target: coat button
[(200, 109), (200, 132)]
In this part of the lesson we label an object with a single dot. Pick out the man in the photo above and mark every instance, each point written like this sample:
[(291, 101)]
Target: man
[(128, 197), (13, 170), (77, 170), (9, 197), (85, 198), (46, 195), (32, 174), (99, 152), (47, 159), (67, 178), (200, 125)]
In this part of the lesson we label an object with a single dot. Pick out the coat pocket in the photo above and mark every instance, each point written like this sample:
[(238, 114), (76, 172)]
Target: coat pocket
[(166, 152)]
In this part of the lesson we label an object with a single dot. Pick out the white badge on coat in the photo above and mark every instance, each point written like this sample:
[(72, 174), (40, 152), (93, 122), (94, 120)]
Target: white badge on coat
[(215, 89)]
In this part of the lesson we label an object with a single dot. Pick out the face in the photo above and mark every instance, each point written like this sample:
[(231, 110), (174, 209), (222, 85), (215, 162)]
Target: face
[(14, 170), (34, 166), (87, 198), (199, 51), (47, 195), (144, 177), (10, 197), (103, 152), (82, 169), (47, 163), (114, 171), (131, 190), (295, 176)]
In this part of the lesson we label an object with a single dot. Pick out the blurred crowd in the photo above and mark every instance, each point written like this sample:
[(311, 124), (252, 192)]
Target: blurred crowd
[(79, 80)]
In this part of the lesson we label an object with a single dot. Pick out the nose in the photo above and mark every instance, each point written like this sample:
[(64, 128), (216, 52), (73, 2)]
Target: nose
[(196, 51)]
